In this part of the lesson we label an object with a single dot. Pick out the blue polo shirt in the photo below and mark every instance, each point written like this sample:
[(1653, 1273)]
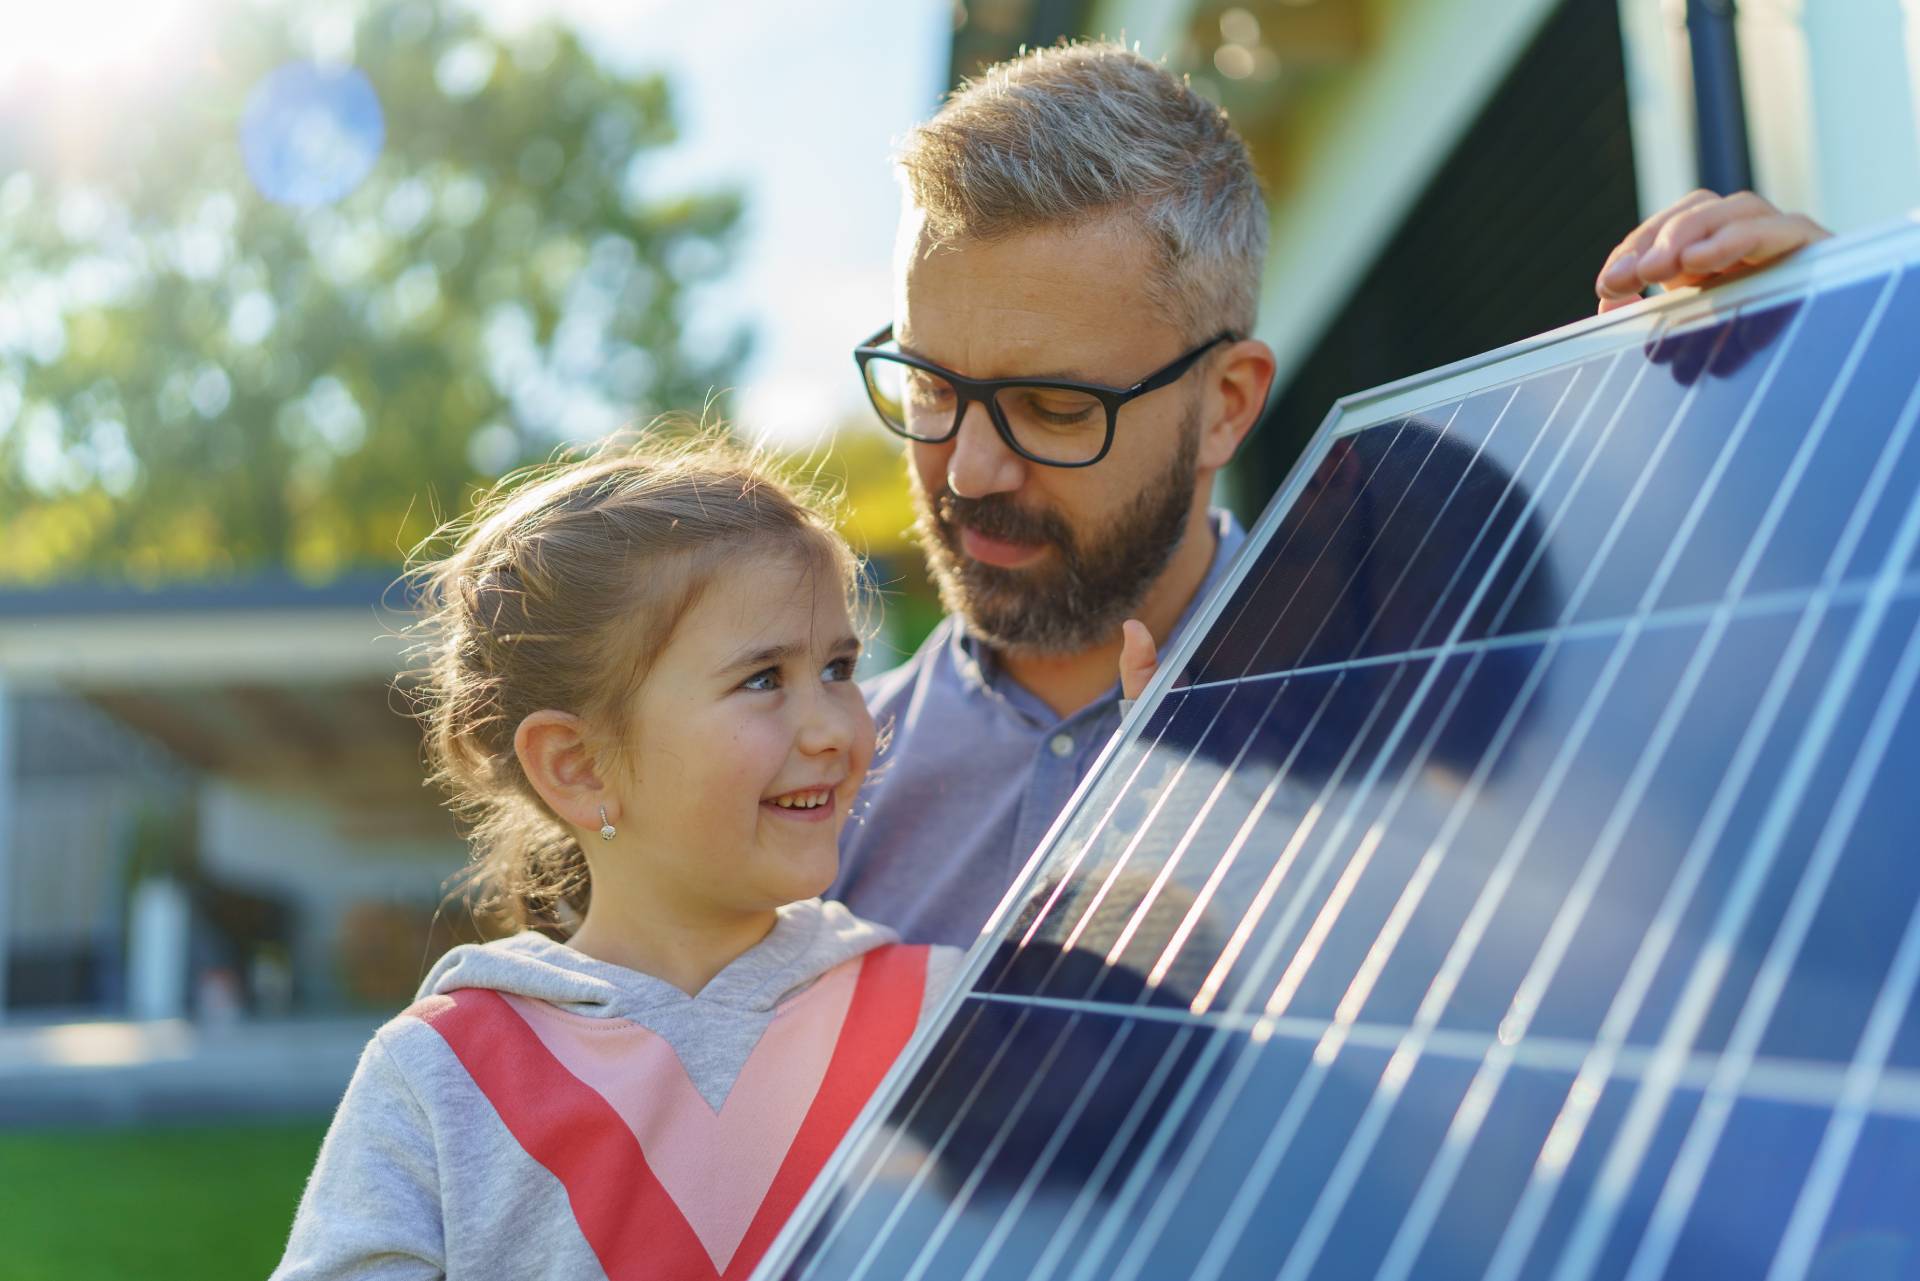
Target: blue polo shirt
[(975, 773)]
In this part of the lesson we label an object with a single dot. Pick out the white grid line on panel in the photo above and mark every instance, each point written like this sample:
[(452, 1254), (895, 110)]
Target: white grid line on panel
[(889, 1148), (1804, 1082), (1166, 871), (1083, 1205), (1345, 515), (957, 1206), (1016, 1207), (1160, 1213), (1120, 864), (1266, 961), (1438, 1182), (1334, 1194), (1773, 604), (1869, 1066), (1626, 1154), (1689, 1167)]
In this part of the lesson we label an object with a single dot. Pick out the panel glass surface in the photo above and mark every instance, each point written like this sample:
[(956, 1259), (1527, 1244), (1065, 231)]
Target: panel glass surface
[(1515, 873)]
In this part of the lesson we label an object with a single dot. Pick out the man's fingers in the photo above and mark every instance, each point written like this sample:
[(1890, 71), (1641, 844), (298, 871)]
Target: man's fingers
[(1749, 243), (1700, 237), (1641, 238), (1661, 262), (1619, 279), (1139, 658)]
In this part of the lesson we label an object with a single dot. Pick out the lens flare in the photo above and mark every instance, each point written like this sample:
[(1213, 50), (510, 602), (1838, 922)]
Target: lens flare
[(311, 134)]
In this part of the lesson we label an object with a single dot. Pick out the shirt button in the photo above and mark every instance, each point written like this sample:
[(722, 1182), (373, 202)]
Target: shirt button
[(1061, 744)]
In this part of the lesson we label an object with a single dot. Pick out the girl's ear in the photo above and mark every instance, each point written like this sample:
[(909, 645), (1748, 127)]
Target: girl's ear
[(554, 751)]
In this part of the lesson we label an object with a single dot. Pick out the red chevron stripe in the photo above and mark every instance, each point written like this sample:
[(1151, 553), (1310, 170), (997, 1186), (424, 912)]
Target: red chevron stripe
[(628, 1219)]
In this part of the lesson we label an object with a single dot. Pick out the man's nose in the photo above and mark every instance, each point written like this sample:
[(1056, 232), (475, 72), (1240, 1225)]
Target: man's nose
[(981, 463)]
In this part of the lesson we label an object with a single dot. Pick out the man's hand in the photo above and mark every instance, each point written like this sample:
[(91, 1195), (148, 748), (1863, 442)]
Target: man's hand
[(1700, 238), (1138, 658)]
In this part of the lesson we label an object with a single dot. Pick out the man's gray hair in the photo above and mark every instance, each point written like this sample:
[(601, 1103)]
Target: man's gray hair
[(1063, 135)]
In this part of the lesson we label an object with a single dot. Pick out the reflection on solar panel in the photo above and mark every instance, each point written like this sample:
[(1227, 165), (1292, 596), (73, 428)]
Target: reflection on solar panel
[(1514, 872)]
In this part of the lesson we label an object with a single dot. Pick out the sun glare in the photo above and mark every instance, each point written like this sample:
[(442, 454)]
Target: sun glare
[(89, 39)]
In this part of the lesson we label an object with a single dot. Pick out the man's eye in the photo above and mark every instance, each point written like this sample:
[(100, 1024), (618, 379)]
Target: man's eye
[(840, 669), (765, 679), (1048, 408)]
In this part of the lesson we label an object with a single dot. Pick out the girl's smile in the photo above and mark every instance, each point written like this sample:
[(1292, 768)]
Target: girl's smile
[(808, 804)]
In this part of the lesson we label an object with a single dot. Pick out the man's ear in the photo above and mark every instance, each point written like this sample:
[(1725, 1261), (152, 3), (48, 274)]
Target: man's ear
[(1241, 374), (556, 753)]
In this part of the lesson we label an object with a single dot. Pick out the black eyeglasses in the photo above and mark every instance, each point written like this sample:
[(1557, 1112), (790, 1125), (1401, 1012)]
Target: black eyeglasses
[(1044, 420)]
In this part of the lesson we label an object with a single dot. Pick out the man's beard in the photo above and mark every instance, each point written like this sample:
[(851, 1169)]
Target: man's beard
[(1094, 582)]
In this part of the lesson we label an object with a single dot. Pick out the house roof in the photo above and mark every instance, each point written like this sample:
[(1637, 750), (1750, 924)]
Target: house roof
[(264, 678), (261, 592), (270, 629)]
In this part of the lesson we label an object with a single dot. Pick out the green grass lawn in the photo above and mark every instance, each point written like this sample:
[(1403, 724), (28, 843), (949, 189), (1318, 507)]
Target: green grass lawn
[(202, 1202)]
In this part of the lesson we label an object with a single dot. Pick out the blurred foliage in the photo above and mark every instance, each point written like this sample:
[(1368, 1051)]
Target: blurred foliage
[(863, 466), (197, 381)]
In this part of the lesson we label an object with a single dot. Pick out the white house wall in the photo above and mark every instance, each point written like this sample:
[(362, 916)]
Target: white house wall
[(288, 844), (1666, 164), (1832, 96)]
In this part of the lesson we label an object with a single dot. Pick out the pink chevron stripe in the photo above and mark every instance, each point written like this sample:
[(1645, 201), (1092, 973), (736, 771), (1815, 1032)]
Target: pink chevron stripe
[(717, 1166)]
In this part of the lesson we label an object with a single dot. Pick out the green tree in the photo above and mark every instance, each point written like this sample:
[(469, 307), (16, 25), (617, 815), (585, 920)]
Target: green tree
[(197, 380)]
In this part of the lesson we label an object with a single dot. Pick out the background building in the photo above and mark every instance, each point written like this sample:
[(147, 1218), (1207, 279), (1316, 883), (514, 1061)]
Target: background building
[(1447, 176), (211, 820)]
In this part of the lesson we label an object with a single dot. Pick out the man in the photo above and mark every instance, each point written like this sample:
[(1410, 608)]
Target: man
[(1071, 358)]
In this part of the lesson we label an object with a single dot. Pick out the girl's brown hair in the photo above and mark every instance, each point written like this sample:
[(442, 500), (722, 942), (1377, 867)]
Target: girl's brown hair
[(562, 588)]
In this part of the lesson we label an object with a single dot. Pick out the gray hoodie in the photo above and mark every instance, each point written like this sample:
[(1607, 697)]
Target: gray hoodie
[(538, 1113)]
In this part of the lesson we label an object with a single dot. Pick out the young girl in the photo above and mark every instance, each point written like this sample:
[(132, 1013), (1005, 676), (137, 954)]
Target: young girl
[(641, 699)]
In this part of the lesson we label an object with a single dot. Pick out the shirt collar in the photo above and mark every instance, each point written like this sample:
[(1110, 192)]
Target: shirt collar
[(978, 669)]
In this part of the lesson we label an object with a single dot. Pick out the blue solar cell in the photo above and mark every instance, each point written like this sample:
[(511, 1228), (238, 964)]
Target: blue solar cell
[(1516, 876), (1840, 469), (1753, 1180), (1707, 425), (1725, 532), (1873, 1233), (1650, 876), (1633, 442), (1870, 901)]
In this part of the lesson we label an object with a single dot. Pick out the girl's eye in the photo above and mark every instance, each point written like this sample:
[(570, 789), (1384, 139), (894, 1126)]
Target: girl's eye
[(765, 679), (840, 669)]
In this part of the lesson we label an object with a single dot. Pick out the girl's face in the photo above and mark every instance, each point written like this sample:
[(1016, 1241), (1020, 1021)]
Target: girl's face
[(746, 744)]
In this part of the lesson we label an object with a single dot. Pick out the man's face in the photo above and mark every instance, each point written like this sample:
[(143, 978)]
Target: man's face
[(1047, 559)]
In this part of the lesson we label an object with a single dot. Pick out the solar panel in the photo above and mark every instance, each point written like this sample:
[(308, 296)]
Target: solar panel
[(1513, 872)]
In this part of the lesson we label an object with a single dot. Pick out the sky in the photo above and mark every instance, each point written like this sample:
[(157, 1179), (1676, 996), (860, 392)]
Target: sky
[(798, 107), (801, 114)]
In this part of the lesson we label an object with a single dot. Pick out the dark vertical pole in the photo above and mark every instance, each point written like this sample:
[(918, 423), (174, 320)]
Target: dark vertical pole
[(1720, 113)]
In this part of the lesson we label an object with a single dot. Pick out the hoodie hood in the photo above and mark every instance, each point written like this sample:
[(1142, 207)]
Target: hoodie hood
[(807, 940)]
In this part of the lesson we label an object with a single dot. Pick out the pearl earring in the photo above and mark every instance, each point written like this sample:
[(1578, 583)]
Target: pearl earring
[(606, 828)]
